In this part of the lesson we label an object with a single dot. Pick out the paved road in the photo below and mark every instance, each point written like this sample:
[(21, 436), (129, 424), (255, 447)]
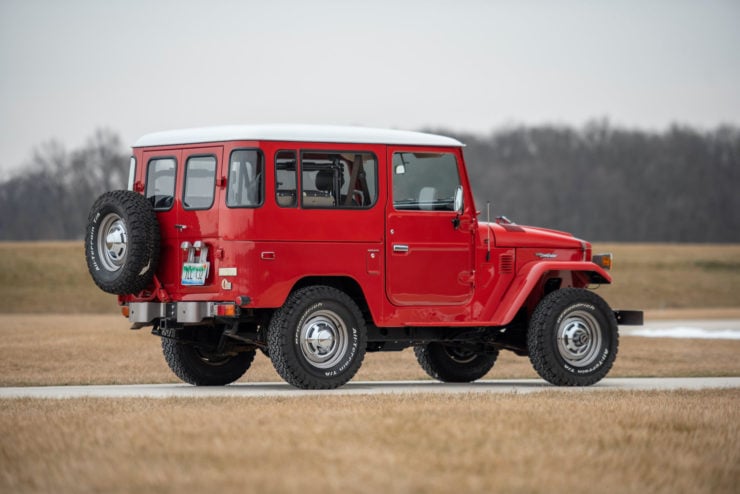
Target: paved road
[(728, 329), (254, 390)]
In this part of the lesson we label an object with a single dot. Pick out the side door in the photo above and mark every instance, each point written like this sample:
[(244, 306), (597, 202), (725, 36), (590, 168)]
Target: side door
[(429, 245)]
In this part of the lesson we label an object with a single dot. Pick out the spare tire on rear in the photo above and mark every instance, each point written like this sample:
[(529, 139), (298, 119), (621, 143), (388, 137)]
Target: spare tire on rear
[(122, 242)]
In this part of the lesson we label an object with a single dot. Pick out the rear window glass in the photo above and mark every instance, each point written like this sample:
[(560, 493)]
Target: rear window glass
[(200, 182), (246, 176), (160, 183)]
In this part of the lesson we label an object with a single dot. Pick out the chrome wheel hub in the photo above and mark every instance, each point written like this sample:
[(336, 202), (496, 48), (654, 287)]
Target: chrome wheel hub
[(112, 242), (579, 339), (324, 339)]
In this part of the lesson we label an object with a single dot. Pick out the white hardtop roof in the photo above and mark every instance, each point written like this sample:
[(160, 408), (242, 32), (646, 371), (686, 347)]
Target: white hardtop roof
[(299, 133)]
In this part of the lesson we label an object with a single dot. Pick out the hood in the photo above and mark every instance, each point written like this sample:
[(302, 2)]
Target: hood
[(513, 235)]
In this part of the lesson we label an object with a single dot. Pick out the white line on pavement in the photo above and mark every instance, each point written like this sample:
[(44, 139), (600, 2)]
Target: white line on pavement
[(276, 389)]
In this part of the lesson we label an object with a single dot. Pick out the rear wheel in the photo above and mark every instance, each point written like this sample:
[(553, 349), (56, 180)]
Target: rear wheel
[(196, 365), (572, 338), (317, 339), (454, 364), (122, 242)]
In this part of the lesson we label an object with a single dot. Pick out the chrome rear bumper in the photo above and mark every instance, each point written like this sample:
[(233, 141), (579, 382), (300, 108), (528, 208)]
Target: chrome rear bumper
[(183, 312)]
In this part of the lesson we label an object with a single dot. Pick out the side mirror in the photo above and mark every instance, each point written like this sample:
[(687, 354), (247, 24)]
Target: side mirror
[(459, 200), (458, 207)]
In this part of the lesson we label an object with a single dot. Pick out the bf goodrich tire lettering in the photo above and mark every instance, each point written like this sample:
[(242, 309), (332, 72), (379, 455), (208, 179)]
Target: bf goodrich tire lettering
[(317, 340), (572, 338), (122, 242)]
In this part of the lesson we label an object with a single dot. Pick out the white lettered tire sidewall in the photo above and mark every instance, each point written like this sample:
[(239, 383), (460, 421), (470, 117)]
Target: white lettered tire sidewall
[(317, 339), (572, 338), (347, 349), (96, 260), (601, 351), (127, 263)]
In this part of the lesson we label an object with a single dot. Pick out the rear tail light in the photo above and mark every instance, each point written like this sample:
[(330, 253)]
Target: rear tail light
[(226, 310)]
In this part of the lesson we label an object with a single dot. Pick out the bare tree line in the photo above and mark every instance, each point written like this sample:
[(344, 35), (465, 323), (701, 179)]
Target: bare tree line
[(610, 184), (598, 182), (51, 197)]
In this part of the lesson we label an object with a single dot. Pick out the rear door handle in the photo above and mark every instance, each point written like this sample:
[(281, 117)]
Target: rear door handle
[(400, 248)]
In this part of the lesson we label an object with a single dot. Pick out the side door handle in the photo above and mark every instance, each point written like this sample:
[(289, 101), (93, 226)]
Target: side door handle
[(403, 248)]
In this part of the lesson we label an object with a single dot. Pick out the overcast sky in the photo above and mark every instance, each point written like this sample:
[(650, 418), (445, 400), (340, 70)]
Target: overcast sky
[(69, 67)]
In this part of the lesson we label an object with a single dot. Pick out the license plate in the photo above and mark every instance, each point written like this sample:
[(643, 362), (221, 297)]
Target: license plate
[(195, 273)]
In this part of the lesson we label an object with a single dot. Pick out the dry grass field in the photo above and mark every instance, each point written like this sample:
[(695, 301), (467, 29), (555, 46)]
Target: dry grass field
[(53, 276), (621, 442), (49, 277), (673, 276), (99, 349), (549, 442)]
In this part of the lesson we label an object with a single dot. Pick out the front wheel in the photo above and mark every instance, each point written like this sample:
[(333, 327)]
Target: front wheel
[(453, 364), (572, 338), (317, 339)]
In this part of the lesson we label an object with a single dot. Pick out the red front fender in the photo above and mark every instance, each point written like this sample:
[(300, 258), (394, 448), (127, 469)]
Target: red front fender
[(527, 279)]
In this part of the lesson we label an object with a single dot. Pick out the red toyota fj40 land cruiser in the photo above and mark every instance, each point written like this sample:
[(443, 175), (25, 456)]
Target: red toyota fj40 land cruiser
[(316, 244)]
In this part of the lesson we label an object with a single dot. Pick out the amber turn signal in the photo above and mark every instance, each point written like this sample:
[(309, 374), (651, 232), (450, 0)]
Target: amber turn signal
[(227, 310), (603, 260)]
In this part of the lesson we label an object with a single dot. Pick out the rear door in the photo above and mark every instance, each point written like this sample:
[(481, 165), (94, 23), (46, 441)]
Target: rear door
[(429, 246), (181, 186), (162, 168), (197, 217)]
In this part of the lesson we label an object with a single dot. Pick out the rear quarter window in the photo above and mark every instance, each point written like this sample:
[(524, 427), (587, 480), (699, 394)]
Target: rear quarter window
[(246, 179)]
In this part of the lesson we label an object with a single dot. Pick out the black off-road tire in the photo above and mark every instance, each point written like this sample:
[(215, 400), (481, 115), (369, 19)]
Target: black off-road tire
[(317, 340), (200, 368), (453, 365), (573, 338), (122, 242)]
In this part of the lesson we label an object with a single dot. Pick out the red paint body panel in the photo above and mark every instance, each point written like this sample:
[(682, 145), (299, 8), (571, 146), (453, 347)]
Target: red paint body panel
[(415, 268), (528, 236), (531, 275), (437, 269)]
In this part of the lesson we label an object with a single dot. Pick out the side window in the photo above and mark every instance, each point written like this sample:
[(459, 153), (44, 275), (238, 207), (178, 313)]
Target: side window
[(285, 179), (246, 173), (160, 183), (425, 181), (200, 182), (338, 180), (131, 173)]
